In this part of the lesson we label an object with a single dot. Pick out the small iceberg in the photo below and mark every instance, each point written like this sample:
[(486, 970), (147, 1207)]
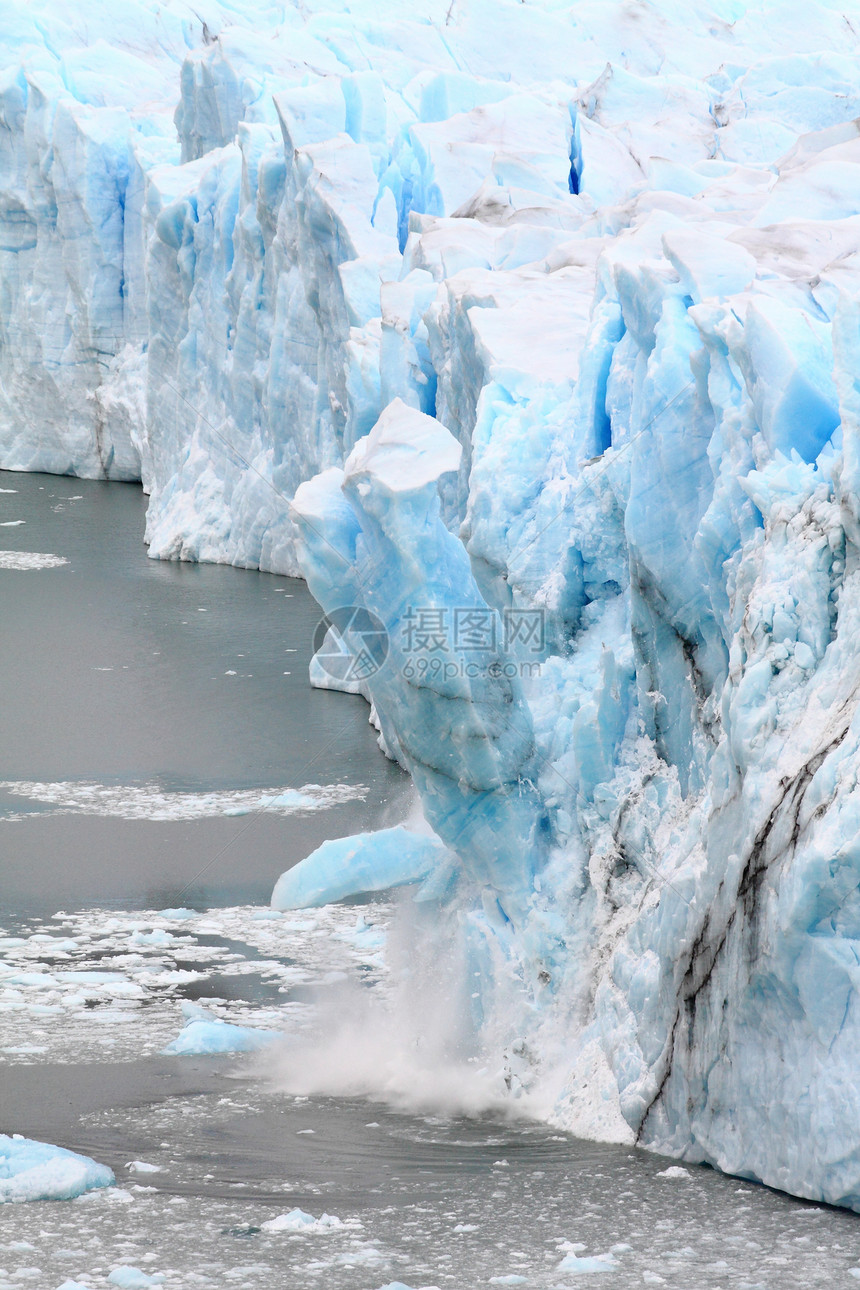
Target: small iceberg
[(298, 1221), (129, 1278), (32, 1170), (593, 1263), (202, 1038)]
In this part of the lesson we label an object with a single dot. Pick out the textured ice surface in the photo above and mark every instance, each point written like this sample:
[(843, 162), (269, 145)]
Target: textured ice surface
[(614, 251), (26, 560), (38, 1171)]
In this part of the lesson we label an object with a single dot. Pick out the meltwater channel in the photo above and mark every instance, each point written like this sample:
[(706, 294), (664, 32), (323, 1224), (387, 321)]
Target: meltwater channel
[(162, 760)]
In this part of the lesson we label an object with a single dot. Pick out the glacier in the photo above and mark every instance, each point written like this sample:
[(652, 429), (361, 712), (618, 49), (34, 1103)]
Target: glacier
[(508, 314)]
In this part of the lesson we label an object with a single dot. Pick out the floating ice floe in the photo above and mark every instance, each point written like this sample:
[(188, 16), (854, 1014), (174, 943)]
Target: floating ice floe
[(201, 1038), (298, 1221), (157, 958), (150, 802), (31, 1170), (24, 560), (126, 1277), (576, 1265)]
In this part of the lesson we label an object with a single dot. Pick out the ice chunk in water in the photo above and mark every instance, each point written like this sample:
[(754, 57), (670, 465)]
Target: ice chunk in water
[(201, 1038), (32, 1170)]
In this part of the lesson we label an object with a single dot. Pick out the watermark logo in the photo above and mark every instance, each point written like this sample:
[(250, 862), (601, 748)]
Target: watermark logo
[(525, 631), (473, 631), (350, 644)]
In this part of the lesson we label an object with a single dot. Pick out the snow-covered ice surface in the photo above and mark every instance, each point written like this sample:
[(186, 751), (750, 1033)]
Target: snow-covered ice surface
[(613, 249)]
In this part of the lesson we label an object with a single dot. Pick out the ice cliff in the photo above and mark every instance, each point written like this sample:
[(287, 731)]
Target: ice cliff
[(541, 313)]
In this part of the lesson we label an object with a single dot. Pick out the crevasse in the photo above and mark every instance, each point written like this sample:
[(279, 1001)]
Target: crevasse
[(501, 308)]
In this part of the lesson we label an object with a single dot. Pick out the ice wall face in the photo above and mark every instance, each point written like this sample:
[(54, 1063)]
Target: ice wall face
[(372, 536), (76, 97), (525, 309)]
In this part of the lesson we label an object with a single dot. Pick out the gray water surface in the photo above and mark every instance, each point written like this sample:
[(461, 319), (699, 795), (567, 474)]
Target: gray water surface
[(427, 1201), (130, 673)]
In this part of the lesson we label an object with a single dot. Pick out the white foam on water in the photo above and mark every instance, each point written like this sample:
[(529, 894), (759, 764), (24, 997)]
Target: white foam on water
[(150, 802), (363, 1045), (408, 1043), (25, 560)]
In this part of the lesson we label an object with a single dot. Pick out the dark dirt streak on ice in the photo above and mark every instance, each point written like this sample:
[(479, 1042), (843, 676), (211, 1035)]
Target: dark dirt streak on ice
[(710, 943)]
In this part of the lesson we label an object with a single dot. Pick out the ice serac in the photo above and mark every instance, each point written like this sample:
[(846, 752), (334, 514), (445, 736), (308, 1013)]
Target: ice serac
[(372, 535), (578, 342)]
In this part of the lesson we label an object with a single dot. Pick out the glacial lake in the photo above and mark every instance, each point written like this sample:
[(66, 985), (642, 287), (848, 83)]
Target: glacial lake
[(162, 760)]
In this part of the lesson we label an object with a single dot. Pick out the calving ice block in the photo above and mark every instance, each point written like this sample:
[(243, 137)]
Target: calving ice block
[(359, 864)]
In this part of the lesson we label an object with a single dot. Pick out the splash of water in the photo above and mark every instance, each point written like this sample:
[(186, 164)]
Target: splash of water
[(410, 1042)]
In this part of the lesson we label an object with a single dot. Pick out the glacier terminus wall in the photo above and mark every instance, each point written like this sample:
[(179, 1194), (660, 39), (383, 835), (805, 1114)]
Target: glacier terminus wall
[(507, 313)]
